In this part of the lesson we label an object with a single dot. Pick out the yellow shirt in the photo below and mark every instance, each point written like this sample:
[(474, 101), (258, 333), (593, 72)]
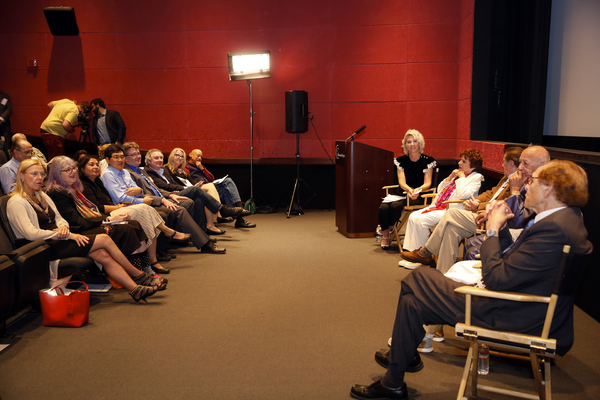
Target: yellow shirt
[(64, 109)]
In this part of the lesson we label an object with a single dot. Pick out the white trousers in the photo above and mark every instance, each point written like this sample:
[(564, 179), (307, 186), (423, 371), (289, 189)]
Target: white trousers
[(418, 226)]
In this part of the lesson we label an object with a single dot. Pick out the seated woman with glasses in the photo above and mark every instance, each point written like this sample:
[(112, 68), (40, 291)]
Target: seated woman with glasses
[(33, 215), (148, 217), (65, 190)]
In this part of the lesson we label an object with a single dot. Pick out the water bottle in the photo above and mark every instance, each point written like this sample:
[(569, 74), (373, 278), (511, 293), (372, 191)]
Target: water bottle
[(378, 234), (483, 361)]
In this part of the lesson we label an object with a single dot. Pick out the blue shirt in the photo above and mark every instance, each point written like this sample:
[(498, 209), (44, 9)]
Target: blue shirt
[(116, 182), (103, 136)]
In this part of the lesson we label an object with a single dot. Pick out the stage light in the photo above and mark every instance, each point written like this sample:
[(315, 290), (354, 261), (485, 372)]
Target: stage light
[(249, 65), (246, 66)]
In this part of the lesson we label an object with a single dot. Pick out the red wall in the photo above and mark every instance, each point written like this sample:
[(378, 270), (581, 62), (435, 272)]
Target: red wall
[(389, 64)]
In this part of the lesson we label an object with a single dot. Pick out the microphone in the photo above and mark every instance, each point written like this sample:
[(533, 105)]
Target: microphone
[(359, 130)]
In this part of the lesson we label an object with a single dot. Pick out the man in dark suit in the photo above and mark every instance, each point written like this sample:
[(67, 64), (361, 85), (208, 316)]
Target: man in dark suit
[(107, 125), (556, 192)]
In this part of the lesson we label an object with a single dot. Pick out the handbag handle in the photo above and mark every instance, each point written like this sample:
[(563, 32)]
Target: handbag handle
[(62, 292)]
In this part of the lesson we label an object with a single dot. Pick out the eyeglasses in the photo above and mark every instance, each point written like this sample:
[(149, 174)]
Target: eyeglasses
[(69, 170), (116, 157), (27, 153), (178, 155), (36, 174), (531, 179), (137, 153)]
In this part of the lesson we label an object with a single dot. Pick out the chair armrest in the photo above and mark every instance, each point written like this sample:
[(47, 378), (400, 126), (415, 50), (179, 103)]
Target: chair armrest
[(511, 296), (453, 201), (390, 187), (428, 195)]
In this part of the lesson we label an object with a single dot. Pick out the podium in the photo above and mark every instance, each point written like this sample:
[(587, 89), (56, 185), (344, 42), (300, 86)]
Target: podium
[(360, 173)]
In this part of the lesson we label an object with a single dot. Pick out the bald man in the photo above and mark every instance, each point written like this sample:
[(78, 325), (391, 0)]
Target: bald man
[(228, 191)]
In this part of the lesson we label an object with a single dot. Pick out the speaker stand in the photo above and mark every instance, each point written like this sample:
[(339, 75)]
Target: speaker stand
[(295, 201)]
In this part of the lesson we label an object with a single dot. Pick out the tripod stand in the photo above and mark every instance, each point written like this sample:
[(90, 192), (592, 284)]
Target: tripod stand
[(295, 201), (84, 136)]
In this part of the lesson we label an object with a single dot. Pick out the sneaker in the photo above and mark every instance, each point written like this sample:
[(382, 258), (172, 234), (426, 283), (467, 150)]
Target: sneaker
[(408, 264), (426, 345), (439, 336)]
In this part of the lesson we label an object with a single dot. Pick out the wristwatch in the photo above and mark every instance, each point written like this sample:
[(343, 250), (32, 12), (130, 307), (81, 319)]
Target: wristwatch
[(491, 232)]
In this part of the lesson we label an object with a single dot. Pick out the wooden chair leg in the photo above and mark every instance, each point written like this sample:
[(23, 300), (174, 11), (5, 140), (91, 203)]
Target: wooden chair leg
[(548, 382), (537, 375), (474, 367), (465, 375)]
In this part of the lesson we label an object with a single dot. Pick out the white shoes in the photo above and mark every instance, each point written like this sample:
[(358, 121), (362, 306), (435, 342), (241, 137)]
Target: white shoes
[(439, 336), (426, 345), (408, 264)]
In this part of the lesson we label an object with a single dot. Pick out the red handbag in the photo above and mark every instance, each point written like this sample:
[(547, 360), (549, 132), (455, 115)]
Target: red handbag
[(60, 309)]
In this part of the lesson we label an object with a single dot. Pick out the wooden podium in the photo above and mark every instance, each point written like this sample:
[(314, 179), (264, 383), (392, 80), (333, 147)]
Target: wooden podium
[(360, 173)]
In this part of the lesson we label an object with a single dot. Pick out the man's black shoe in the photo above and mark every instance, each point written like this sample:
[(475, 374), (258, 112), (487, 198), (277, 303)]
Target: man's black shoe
[(210, 247), (377, 391), (242, 223), (382, 359)]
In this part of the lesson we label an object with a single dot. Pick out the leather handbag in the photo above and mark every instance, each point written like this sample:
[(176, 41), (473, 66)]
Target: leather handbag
[(60, 309)]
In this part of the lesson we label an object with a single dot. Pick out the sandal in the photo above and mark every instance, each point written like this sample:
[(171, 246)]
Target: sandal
[(141, 292)]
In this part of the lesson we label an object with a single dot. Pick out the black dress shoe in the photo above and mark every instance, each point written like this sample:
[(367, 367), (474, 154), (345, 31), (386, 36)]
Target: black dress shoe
[(382, 359), (163, 257), (210, 247), (233, 212), (242, 223), (211, 232), (214, 240), (186, 239), (224, 220), (377, 391)]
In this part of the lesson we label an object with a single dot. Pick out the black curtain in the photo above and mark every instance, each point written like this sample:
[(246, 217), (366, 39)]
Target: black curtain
[(510, 63)]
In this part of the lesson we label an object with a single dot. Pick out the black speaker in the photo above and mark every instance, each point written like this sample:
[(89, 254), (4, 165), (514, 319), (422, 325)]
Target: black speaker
[(61, 21), (296, 111)]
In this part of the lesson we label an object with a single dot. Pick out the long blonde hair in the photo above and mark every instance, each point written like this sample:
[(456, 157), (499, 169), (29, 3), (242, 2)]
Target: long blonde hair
[(170, 164), (24, 166)]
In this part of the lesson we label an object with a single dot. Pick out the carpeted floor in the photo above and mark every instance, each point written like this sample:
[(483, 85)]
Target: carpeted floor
[(294, 310)]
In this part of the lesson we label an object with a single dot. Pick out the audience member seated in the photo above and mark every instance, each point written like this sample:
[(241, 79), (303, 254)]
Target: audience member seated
[(65, 190), (149, 218), (457, 224), (462, 183), (120, 184), (557, 192), (33, 215), (37, 154), (532, 158), (415, 171), (197, 173), (205, 205), (19, 150)]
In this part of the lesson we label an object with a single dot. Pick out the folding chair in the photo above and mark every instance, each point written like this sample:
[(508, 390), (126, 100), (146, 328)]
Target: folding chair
[(428, 195), (540, 349)]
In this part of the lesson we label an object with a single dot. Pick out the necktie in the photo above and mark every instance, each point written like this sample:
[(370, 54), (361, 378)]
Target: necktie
[(527, 226), (150, 183)]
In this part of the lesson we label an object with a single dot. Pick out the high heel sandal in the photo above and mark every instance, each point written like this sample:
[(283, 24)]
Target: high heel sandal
[(145, 279), (171, 239), (385, 243), (141, 292)]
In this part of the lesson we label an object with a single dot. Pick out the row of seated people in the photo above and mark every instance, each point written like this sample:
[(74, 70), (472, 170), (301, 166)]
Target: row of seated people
[(458, 222), (76, 196), (415, 171), (551, 199)]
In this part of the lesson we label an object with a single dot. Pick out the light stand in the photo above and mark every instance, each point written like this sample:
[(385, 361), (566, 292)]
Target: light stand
[(250, 205), (247, 66)]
